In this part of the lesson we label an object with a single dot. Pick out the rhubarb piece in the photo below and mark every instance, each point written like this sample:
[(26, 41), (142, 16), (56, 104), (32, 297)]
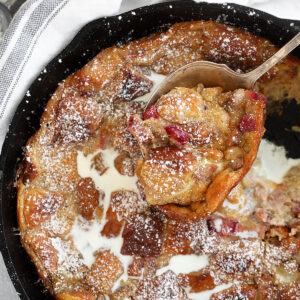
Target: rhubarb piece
[(140, 131), (181, 136), (151, 112), (257, 97), (247, 124), (223, 226)]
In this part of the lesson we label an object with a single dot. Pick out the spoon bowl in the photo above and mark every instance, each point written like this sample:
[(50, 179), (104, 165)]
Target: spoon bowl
[(213, 74)]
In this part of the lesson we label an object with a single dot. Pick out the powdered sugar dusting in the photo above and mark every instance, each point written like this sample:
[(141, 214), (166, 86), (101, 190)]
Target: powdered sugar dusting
[(200, 238), (274, 160), (68, 258), (163, 287)]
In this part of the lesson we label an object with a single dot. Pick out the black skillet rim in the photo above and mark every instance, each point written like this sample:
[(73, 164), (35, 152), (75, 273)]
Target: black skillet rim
[(229, 8)]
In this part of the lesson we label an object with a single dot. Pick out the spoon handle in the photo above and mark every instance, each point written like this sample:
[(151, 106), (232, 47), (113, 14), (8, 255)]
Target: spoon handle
[(254, 75)]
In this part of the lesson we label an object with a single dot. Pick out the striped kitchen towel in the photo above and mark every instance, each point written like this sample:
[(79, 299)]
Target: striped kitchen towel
[(37, 33)]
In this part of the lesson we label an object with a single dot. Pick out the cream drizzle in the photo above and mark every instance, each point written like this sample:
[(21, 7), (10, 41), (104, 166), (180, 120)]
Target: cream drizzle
[(183, 264), (271, 164), (87, 235), (274, 161)]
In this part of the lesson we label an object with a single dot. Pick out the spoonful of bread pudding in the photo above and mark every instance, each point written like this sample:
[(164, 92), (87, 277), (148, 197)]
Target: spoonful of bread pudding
[(199, 136), (198, 143)]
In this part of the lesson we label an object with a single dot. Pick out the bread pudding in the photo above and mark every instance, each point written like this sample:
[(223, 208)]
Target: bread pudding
[(83, 213), (199, 144)]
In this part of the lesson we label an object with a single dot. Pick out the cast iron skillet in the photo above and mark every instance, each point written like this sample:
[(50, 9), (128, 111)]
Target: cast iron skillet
[(94, 37)]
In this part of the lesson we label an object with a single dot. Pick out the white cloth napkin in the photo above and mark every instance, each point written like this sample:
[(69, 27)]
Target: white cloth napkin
[(42, 28)]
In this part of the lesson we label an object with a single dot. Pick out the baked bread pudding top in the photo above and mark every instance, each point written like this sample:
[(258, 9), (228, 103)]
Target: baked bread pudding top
[(198, 144), (87, 172)]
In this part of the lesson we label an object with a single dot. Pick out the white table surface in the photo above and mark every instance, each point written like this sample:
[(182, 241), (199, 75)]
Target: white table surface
[(289, 9)]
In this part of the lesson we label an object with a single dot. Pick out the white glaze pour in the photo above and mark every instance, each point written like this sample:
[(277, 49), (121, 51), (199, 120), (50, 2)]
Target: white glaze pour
[(86, 235), (274, 161), (111, 180), (88, 240), (272, 164), (206, 294), (185, 264), (157, 79)]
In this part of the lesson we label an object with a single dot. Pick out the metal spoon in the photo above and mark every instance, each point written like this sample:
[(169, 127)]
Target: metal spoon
[(212, 74)]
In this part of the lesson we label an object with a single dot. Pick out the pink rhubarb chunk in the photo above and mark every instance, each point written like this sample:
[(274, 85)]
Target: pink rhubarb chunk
[(151, 112), (176, 133), (257, 97), (247, 124)]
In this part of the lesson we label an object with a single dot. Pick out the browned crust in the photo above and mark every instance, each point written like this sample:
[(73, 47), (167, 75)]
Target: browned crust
[(80, 295), (242, 290), (45, 275), (224, 182)]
